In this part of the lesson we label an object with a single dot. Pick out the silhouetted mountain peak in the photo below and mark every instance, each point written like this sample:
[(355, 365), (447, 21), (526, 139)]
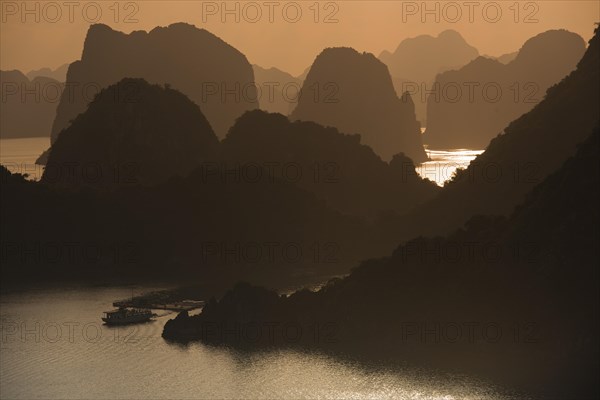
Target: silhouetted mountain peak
[(477, 66), (335, 58), (99, 40), (353, 92), (152, 132), (444, 38), (183, 28), (250, 120), (13, 75), (343, 51), (99, 31), (546, 47), (483, 62), (451, 34), (272, 70), (192, 60)]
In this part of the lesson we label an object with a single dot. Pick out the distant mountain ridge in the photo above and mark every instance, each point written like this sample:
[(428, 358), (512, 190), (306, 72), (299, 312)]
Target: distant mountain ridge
[(422, 57), (59, 74), (278, 91), (531, 147), (417, 61)]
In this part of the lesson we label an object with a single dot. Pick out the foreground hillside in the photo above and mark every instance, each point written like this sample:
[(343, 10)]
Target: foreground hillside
[(520, 290)]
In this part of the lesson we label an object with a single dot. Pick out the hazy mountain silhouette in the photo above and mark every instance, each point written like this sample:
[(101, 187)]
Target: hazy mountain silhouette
[(278, 90), (476, 102), (422, 57), (508, 57), (214, 75), (504, 58), (538, 266), (148, 132), (532, 147), (418, 60), (59, 74), (28, 106), (204, 227), (354, 93), (349, 176)]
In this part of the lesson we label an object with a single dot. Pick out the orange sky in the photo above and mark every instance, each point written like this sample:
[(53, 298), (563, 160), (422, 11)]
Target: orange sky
[(287, 35)]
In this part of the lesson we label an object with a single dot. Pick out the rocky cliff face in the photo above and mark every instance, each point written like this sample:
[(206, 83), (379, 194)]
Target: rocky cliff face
[(475, 103), (214, 75), (132, 133), (354, 93), (28, 106)]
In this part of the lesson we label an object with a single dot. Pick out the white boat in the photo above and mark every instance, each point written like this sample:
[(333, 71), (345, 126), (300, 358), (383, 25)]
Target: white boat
[(124, 316)]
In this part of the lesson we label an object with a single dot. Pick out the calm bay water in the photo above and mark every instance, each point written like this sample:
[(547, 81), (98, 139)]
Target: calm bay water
[(19, 155), (54, 346)]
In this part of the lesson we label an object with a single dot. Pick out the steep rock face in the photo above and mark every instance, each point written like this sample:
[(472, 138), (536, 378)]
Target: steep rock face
[(214, 75), (132, 133), (277, 90), (349, 176), (416, 62), (475, 103), (532, 147), (354, 93), (28, 106)]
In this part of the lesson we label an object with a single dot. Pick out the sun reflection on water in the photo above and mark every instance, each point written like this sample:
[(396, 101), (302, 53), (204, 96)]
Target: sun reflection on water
[(443, 163)]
